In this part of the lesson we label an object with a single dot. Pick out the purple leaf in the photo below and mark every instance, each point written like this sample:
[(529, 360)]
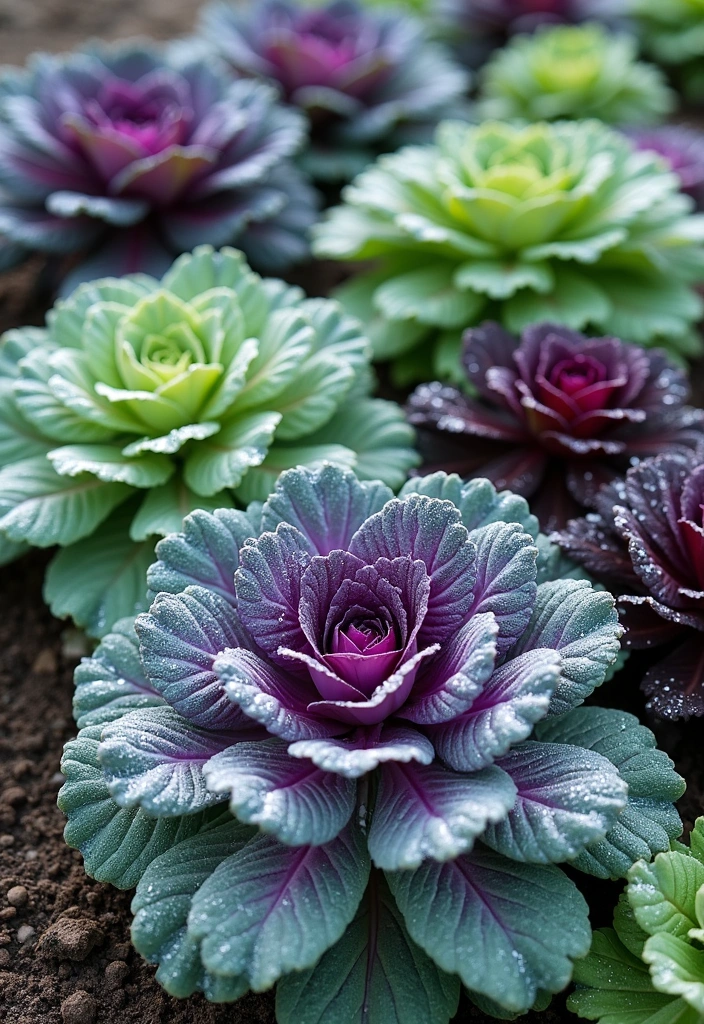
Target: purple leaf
[(675, 685), (291, 799), (426, 811), (505, 585), (430, 530)]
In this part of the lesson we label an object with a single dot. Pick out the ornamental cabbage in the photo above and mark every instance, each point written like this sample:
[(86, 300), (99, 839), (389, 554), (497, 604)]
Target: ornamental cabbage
[(130, 156), (673, 34), (366, 80), (143, 400), (650, 965), (555, 415), (345, 752), (574, 71), (562, 222)]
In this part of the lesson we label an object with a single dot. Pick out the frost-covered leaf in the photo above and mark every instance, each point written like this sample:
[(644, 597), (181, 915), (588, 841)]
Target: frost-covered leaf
[(582, 624), (505, 583), (107, 463), (270, 909), (567, 797), (117, 843), (161, 906), (663, 894), (677, 968), (375, 974), (111, 682), (153, 758), (507, 929), (221, 461), (479, 502), (164, 508), (351, 760), (649, 821), (429, 811), (291, 799)]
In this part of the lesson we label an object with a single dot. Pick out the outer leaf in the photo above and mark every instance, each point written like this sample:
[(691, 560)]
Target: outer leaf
[(107, 463), (101, 579), (117, 843), (567, 797), (516, 696), (663, 893), (222, 460), (505, 583), (507, 929), (291, 799), (164, 508), (206, 553), (161, 906), (614, 987), (478, 501), (179, 641), (677, 968), (375, 974), (429, 811), (39, 506), (649, 821), (112, 682), (153, 758), (270, 909), (582, 624)]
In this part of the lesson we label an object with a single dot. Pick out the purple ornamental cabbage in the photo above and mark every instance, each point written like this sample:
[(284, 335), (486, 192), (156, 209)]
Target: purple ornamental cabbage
[(366, 80), (647, 544), (683, 150), (132, 156), (385, 692), (555, 416)]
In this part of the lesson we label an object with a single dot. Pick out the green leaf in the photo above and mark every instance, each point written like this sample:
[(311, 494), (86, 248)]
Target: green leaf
[(107, 463), (19, 439), (375, 974), (260, 481), (270, 909), (10, 549), (41, 507), (648, 307), (575, 301), (677, 968), (101, 579), (312, 397), (500, 280), (649, 821), (223, 461), (164, 508), (172, 442), (614, 987), (663, 893), (388, 338), (117, 843), (429, 296), (161, 906), (285, 343), (507, 929), (377, 432)]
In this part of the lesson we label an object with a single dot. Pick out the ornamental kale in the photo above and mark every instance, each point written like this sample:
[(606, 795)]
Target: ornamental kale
[(574, 71), (143, 400), (133, 156), (673, 34), (385, 691), (650, 965), (682, 148), (647, 543), (556, 416), (366, 80), (561, 222)]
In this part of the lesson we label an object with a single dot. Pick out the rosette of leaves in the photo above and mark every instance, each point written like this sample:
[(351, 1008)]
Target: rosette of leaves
[(129, 156), (646, 542), (650, 965), (682, 148), (672, 33), (366, 80), (558, 222), (574, 71), (345, 752), (143, 400), (554, 416)]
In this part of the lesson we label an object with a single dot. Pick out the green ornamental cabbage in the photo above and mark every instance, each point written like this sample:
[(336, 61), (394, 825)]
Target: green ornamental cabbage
[(650, 966), (574, 71), (143, 400), (559, 222), (672, 32)]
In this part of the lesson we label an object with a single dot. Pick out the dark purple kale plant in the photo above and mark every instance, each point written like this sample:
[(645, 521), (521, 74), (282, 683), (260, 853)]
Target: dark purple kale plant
[(133, 155), (555, 416), (345, 752), (366, 80), (646, 543)]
